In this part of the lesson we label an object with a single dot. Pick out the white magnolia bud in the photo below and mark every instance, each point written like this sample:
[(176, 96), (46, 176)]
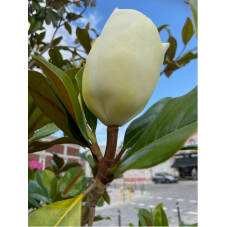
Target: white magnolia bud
[(123, 67)]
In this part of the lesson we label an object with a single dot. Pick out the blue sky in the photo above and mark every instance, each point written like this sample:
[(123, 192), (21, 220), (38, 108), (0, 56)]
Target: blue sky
[(172, 12)]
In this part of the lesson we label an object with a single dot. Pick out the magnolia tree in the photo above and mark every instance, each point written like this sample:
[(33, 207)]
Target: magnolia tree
[(114, 86)]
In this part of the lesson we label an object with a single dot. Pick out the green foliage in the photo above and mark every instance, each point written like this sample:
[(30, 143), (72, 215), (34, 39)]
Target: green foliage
[(46, 98), (164, 136), (156, 217), (58, 14), (61, 213)]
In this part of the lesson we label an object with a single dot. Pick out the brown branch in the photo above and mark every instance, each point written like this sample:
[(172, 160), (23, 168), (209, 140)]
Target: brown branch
[(119, 156), (95, 149)]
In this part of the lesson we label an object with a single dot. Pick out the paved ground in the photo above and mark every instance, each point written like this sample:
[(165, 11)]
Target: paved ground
[(185, 192)]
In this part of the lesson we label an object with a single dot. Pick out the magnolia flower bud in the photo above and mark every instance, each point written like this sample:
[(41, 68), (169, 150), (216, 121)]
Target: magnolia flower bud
[(123, 67)]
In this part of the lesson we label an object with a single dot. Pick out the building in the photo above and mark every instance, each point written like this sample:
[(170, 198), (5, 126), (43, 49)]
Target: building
[(65, 151), (186, 160)]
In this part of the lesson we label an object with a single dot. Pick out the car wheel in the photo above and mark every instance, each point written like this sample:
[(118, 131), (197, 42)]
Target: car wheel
[(155, 182), (167, 181)]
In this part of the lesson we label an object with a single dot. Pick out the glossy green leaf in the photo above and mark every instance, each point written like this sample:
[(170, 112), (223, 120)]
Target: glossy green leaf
[(164, 137), (50, 182), (187, 31), (53, 17), (90, 117), (35, 191), (36, 5), (44, 132), (55, 167), (56, 57), (47, 18), (31, 105), (70, 165), (194, 10), (84, 39), (190, 147), (162, 27), (106, 197), (35, 25), (40, 37), (58, 160), (141, 220), (65, 91), (139, 125), (41, 14), (99, 218), (33, 202), (68, 28), (145, 215), (72, 75), (57, 41), (61, 11), (43, 145), (44, 96), (61, 213), (78, 187)]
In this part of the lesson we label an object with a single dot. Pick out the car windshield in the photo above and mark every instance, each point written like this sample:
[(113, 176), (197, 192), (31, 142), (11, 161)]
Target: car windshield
[(168, 174)]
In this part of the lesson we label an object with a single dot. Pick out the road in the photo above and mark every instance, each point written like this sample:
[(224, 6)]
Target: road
[(183, 192)]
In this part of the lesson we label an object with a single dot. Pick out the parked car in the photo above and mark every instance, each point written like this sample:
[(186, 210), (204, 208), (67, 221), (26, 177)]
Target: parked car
[(164, 178)]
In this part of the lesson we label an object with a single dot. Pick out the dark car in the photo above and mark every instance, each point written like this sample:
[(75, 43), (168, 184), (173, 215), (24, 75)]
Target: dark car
[(164, 178)]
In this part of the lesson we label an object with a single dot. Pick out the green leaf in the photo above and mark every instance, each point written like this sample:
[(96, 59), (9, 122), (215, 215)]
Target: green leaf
[(61, 11), (172, 48), (70, 165), (58, 160), (90, 117), (36, 192), (164, 137), (47, 19), (68, 28), (190, 147), (35, 5), (187, 57), (78, 187), (44, 132), (106, 197), (44, 97), (33, 202), (187, 31), (53, 18), (61, 213), (35, 25), (84, 39), (171, 66), (40, 37), (99, 218), (64, 88), (193, 6), (41, 14), (181, 223), (50, 182), (130, 224), (146, 216), (195, 224), (55, 167), (43, 145), (162, 27), (57, 41), (72, 75), (85, 157), (56, 57), (139, 125), (72, 16)]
